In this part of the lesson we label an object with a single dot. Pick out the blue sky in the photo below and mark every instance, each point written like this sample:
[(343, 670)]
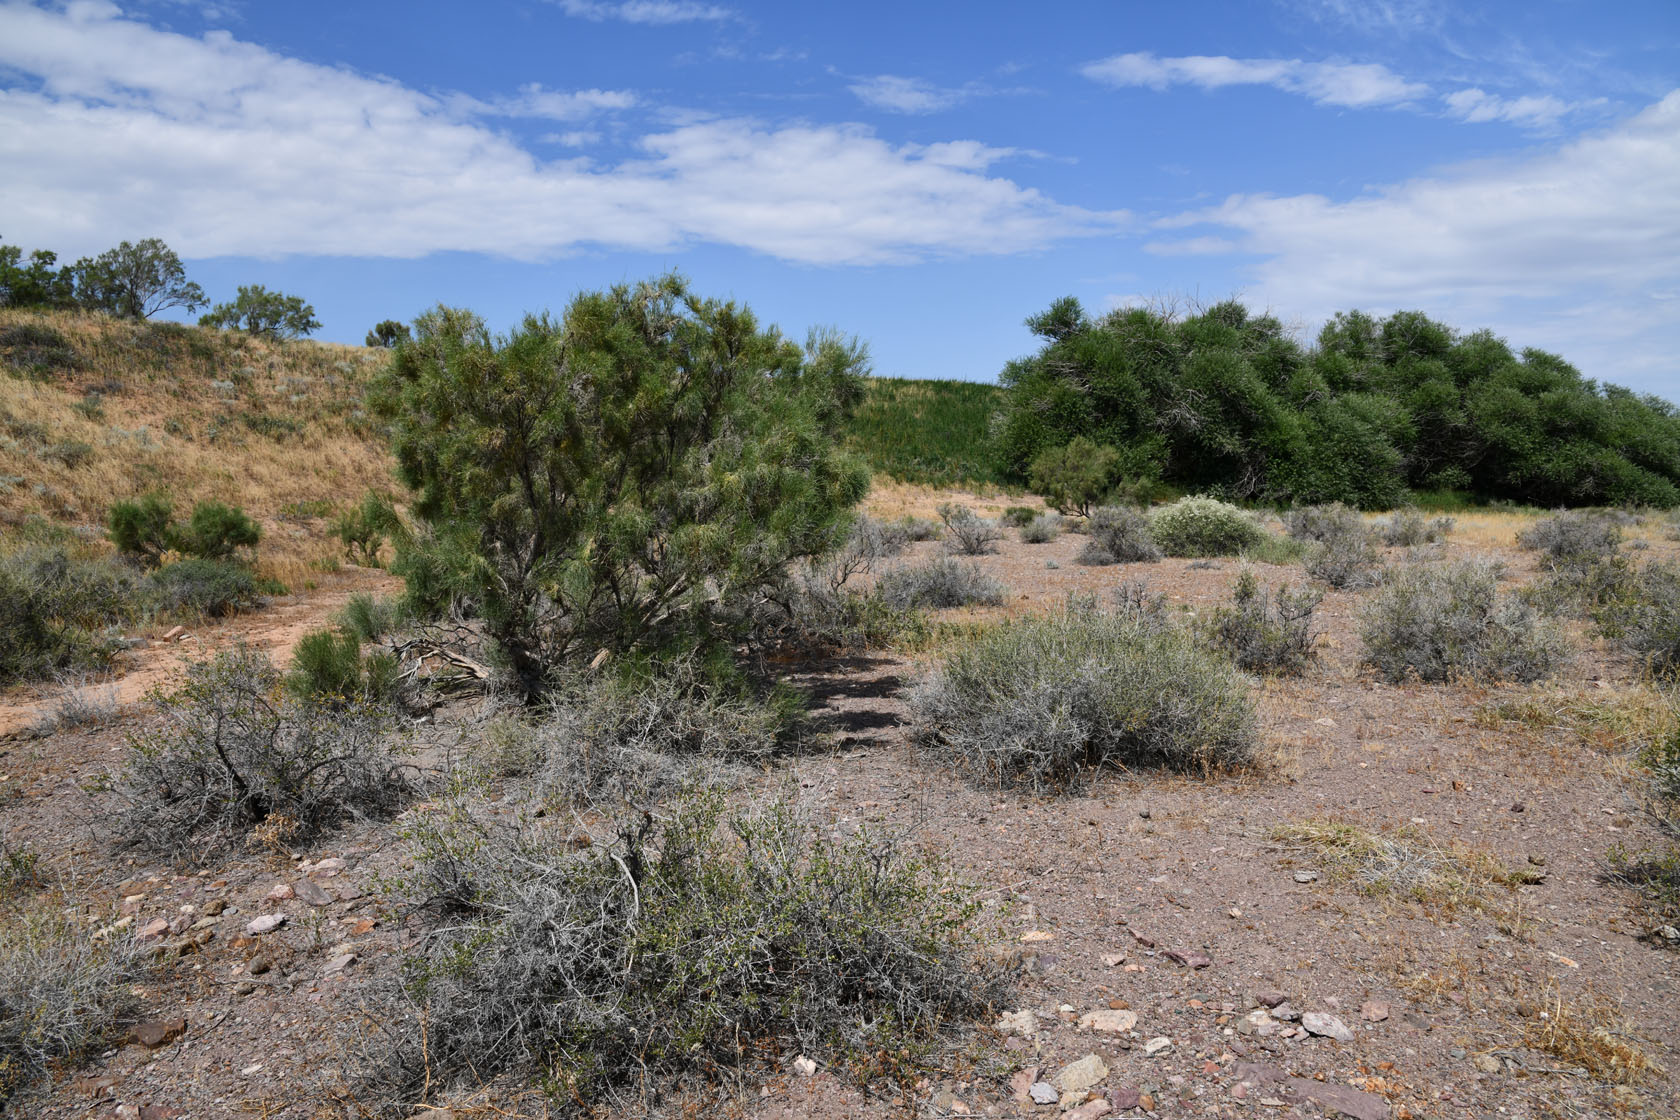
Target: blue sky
[(922, 175)]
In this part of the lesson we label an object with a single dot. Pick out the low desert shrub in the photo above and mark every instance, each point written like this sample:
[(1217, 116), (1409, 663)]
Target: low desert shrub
[(328, 668), (232, 751), (1076, 477), (1345, 559), (217, 532), (1323, 522), (1647, 620), (1601, 587), (1046, 699), (205, 588), (943, 582), (1450, 621), (966, 532), (1573, 538), (1118, 535), (364, 528), (142, 529), (19, 870), (1203, 527), (1042, 529), (61, 992), (1408, 527), (371, 619), (678, 945), (821, 606), (1018, 517), (57, 608), (1267, 630)]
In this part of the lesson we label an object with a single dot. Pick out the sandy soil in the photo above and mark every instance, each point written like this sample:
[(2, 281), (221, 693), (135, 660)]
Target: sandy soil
[(1162, 895)]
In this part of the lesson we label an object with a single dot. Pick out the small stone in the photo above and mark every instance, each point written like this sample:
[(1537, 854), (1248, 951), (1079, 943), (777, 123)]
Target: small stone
[(249, 1070), (1125, 1097), (152, 930), (805, 1067), (1021, 1082), (339, 964), (1271, 997), (265, 923), (311, 892), (244, 988), (258, 966), (1418, 1021), (1374, 1010), (1189, 958), (214, 907), (1156, 1045), (1317, 1022), (159, 1112), (329, 867), (279, 892), (1518, 807), (1090, 1110), (175, 632), (1108, 1022), (1287, 1013), (1146, 1102), (205, 923), (1023, 1023), (1042, 1092), (1113, 960), (157, 1032), (1306, 876), (1034, 936), (1668, 933), (1080, 1075), (1487, 1063)]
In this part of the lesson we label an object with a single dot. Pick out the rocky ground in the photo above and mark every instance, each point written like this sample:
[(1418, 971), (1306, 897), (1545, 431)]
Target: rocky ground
[(1184, 949)]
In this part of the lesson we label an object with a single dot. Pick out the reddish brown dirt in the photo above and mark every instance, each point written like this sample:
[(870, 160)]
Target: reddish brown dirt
[(1130, 866)]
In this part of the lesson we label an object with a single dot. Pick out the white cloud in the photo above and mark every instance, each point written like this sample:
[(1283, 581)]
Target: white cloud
[(222, 147), (1566, 248), (1356, 85), (646, 11), (907, 95), (555, 105), (580, 138), (1477, 106)]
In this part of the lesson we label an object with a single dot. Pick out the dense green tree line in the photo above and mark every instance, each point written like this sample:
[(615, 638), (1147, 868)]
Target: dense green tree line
[(1227, 402)]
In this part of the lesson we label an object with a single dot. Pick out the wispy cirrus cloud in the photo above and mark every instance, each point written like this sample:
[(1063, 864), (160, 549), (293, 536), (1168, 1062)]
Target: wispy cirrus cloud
[(1354, 85), (1477, 106), (647, 11), (112, 129), (897, 94)]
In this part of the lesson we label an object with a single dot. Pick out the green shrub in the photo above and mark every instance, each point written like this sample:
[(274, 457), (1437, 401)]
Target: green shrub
[(61, 993), (682, 945), (686, 459), (967, 533), (328, 667), (363, 529), (1075, 478), (1267, 630), (1018, 517), (372, 619), (57, 606), (1203, 527), (37, 350), (944, 582), (1573, 538), (143, 528), (234, 752), (205, 588), (1042, 529), (1045, 699), (1447, 622), (1647, 619), (1117, 535), (1408, 528), (216, 532)]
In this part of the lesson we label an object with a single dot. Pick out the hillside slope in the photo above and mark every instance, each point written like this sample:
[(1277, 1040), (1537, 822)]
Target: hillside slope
[(94, 409), (932, 432)]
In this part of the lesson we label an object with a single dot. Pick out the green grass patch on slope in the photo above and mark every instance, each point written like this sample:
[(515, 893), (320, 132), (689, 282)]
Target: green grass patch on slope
[(936, 433)]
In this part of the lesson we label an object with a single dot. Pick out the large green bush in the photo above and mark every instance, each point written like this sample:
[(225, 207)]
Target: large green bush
[(1045, 699), (630, 477), (1203, 527), (1225, 401), (57, 605)]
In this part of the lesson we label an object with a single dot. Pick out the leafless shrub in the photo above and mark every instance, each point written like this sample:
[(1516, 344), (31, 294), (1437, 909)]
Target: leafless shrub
[(60, 992), (1323, 522), (966, 532), (1450, 621), (1345, 559), (945, 582), (1407, 528), (80, 704), (1118, 535), (232, 752), (1045, 699), (657, 946), (1042, 529), (1267, 630)]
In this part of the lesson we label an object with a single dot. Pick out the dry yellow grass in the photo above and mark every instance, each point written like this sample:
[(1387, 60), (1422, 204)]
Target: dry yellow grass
[(278, 428)]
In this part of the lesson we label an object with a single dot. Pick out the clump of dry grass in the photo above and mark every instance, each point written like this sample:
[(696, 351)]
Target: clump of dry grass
[(1406, 863), (1588, 1032), (1606, 722)]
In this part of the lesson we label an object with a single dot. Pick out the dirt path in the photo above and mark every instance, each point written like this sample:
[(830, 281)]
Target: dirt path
[(275, 629)]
